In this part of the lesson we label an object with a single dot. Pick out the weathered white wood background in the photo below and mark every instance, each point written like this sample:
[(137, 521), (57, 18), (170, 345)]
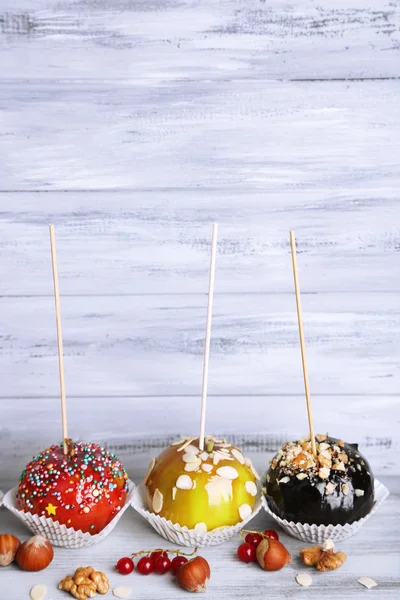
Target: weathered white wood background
[(132, 125)]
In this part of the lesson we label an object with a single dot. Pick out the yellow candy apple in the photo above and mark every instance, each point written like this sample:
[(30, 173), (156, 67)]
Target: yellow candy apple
[(203, 490)]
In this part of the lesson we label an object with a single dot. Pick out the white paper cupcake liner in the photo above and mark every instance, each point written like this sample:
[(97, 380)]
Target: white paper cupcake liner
[(319, 533), (61, 535), (189, 537)]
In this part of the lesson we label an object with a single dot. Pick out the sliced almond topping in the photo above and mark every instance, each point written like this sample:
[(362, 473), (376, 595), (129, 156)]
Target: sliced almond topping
[(174, 490), (192, 466), (157, 501), (367, 582), (223, 456), (284, 480), (223, 444), (186, 444), (238, 455), (204, 456), (304, 579), (191, 449), (328, 545), (188, 458), (207, 467), (38, 592), (359, 492), (122, 591), (149, 470), (219, 490), (251, 488), (178, 442), (228, 472), (184, 482), (216, 458), (200, 528), (245, 511)]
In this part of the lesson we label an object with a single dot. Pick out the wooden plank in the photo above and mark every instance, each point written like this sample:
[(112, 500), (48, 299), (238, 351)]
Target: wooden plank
[(151, 345), (160, 40), (153, 242), (133, 427), (369, 553), (240, 135)]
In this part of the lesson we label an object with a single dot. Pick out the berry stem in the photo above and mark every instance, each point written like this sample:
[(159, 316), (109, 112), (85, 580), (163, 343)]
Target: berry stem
[(148, 552), (244, 532)]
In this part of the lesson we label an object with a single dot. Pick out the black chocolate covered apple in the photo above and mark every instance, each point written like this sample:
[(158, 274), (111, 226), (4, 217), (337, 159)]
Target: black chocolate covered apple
[(335, 487)]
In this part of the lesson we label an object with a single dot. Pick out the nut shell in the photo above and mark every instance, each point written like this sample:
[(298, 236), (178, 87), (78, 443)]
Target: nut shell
[(9, 545), (35, 554), (194, 575), (272, 555)]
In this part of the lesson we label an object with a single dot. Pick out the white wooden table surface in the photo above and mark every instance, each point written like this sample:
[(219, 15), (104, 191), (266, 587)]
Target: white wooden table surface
[(132, 125)]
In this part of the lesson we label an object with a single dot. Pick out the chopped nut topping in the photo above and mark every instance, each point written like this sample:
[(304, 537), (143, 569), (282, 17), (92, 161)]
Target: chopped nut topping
[(330, 487), (339, 466), (324, 473), (359, 493), (301, 476), (296, 457), (284, 480), (345, 488)]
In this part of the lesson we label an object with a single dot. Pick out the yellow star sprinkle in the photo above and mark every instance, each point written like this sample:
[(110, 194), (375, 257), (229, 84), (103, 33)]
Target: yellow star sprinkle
[(51, 510)]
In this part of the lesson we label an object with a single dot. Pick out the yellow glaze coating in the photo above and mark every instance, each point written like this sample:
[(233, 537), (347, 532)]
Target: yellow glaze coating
[(222, 496)]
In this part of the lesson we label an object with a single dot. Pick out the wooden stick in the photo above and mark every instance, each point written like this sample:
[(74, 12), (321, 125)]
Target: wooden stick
[(59, 337), (208, 335), (302, 344)]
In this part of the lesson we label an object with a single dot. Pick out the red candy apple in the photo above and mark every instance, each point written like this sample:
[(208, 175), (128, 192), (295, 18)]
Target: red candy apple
[(83, 489)]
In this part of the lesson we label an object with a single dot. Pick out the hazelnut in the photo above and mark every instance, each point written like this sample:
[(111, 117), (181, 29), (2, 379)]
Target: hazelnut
[(272, 555), (9, 545), (193, 576), (35, 554)]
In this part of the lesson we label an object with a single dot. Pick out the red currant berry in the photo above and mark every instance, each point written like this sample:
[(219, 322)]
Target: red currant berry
[(253, 538), (145, 565), (162, 564), (271, 534), (154, 555), (246, 553), (125, 565), (177, 562)]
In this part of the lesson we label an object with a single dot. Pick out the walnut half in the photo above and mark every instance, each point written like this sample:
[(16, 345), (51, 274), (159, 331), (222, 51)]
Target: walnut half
[(85, 583), (323, 557)]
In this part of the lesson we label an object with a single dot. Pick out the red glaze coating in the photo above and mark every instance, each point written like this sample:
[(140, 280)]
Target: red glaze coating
[(84, 489)]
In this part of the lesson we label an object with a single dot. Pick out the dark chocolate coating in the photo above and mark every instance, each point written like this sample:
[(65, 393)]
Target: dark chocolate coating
[(305, 501)]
